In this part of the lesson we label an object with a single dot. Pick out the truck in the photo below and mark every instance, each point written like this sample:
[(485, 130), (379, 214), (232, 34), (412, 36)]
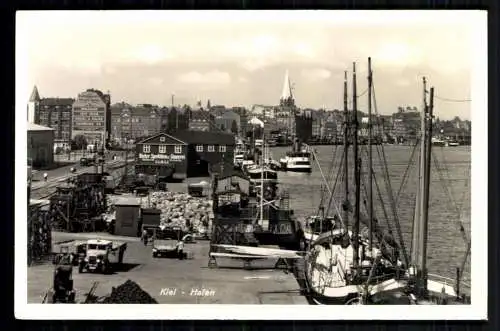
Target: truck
[(101, 255)]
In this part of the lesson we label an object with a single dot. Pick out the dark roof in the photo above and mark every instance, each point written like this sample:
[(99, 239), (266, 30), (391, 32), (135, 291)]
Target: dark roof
[(170, 139), (57, 102), (34, 95), (230, 172), (121, 105), (205, 137)]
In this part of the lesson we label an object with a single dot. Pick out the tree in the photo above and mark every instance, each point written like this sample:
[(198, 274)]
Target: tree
[(234, 127), (80, 141)]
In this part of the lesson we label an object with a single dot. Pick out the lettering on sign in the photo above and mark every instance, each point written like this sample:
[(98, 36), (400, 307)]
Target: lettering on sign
[(161, 158)]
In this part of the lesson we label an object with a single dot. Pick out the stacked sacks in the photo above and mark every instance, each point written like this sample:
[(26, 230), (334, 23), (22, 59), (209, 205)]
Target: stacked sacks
[(183, 210)]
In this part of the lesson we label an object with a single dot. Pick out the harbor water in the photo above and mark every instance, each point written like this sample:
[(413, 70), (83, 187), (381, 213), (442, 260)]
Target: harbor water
[(449, 203)]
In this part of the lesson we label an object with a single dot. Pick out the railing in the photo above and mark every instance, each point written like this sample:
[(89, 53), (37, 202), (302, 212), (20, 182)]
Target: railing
[(448, 280)]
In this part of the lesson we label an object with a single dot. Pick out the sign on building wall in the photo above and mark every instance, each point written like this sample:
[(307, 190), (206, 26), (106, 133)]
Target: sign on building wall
[(161, 158), (89, 116)]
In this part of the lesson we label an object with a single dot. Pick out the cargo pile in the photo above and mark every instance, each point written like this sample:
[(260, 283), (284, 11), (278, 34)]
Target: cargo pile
[(129, 292), (181, 209), (177, 209)]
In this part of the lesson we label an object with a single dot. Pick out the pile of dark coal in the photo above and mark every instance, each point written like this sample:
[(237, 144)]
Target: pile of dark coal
[(129, 292)]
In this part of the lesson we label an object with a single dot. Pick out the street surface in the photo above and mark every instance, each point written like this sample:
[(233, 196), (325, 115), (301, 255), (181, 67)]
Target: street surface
[(41, 189), (176, 281)]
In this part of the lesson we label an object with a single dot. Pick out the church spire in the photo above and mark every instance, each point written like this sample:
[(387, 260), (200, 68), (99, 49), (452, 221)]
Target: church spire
[(35, 97), (287, 95)]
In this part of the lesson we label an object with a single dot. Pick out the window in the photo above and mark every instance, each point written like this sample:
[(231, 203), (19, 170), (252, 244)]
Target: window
[(162, 149), (162, 139), (146, 148), (211, 148), (178, 149), (222, 148), (199, 148)]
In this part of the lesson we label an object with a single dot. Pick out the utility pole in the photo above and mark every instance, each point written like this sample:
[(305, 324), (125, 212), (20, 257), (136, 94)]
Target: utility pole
[(370, 170)]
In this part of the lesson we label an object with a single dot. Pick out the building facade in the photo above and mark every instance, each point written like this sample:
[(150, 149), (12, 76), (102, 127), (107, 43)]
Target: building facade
[(162, 155), (92, 117), (174, 118), (40, 145), (201, 120), (207, 152), (229, 122), (55, 113), (134, 122)]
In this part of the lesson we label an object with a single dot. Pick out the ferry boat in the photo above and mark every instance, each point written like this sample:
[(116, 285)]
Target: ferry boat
[(297, 161)]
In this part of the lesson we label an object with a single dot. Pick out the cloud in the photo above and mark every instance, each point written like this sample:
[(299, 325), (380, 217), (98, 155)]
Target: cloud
[(242, 79), (316, 74), (151, 54), (155, 81), (212, 77)]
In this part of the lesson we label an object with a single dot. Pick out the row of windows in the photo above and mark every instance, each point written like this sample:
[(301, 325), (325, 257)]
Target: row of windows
[(211, 148), (162, 149)]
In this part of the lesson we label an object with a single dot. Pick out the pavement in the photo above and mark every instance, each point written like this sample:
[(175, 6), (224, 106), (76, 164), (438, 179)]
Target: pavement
[(55, 177), (176, 281)]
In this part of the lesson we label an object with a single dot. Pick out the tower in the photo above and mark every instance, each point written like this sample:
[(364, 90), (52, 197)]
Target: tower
[(33, 104), (287, 99)]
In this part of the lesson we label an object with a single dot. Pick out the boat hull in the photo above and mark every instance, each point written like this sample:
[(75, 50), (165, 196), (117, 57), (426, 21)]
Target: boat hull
[(299, 169)]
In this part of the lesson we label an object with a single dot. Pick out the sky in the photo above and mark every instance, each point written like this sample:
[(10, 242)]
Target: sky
[(239, 58)]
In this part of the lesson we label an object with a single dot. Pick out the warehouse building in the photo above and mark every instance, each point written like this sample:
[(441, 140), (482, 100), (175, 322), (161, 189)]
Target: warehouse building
[(207, 151), (40, 145), (161, 155), (185, 154)]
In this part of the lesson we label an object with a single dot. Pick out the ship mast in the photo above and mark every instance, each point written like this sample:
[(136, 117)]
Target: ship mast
[(424, 226), (346, 154), (415, 251), (370, 170), (356, 171)]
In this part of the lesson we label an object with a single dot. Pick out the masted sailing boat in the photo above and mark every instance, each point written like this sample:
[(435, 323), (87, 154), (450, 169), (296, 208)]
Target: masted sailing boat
[(343, 267)]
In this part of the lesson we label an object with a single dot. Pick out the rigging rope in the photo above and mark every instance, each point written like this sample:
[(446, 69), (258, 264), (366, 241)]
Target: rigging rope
[(452, 100), (450, 199), (329, 190), (330, 175), (389, 189)]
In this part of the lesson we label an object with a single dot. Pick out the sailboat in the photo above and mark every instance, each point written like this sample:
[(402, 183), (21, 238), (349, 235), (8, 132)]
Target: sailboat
[(342, 267)]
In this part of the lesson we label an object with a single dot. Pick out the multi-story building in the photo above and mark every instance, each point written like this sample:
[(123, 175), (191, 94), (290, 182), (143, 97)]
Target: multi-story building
[(174, 118), (318, 119), (243, 113), (120, 114), (55, 113), (92, 117), (228, 122), (330, 126), (134, 122), (303, 125), (406, 123), (201, 120)]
